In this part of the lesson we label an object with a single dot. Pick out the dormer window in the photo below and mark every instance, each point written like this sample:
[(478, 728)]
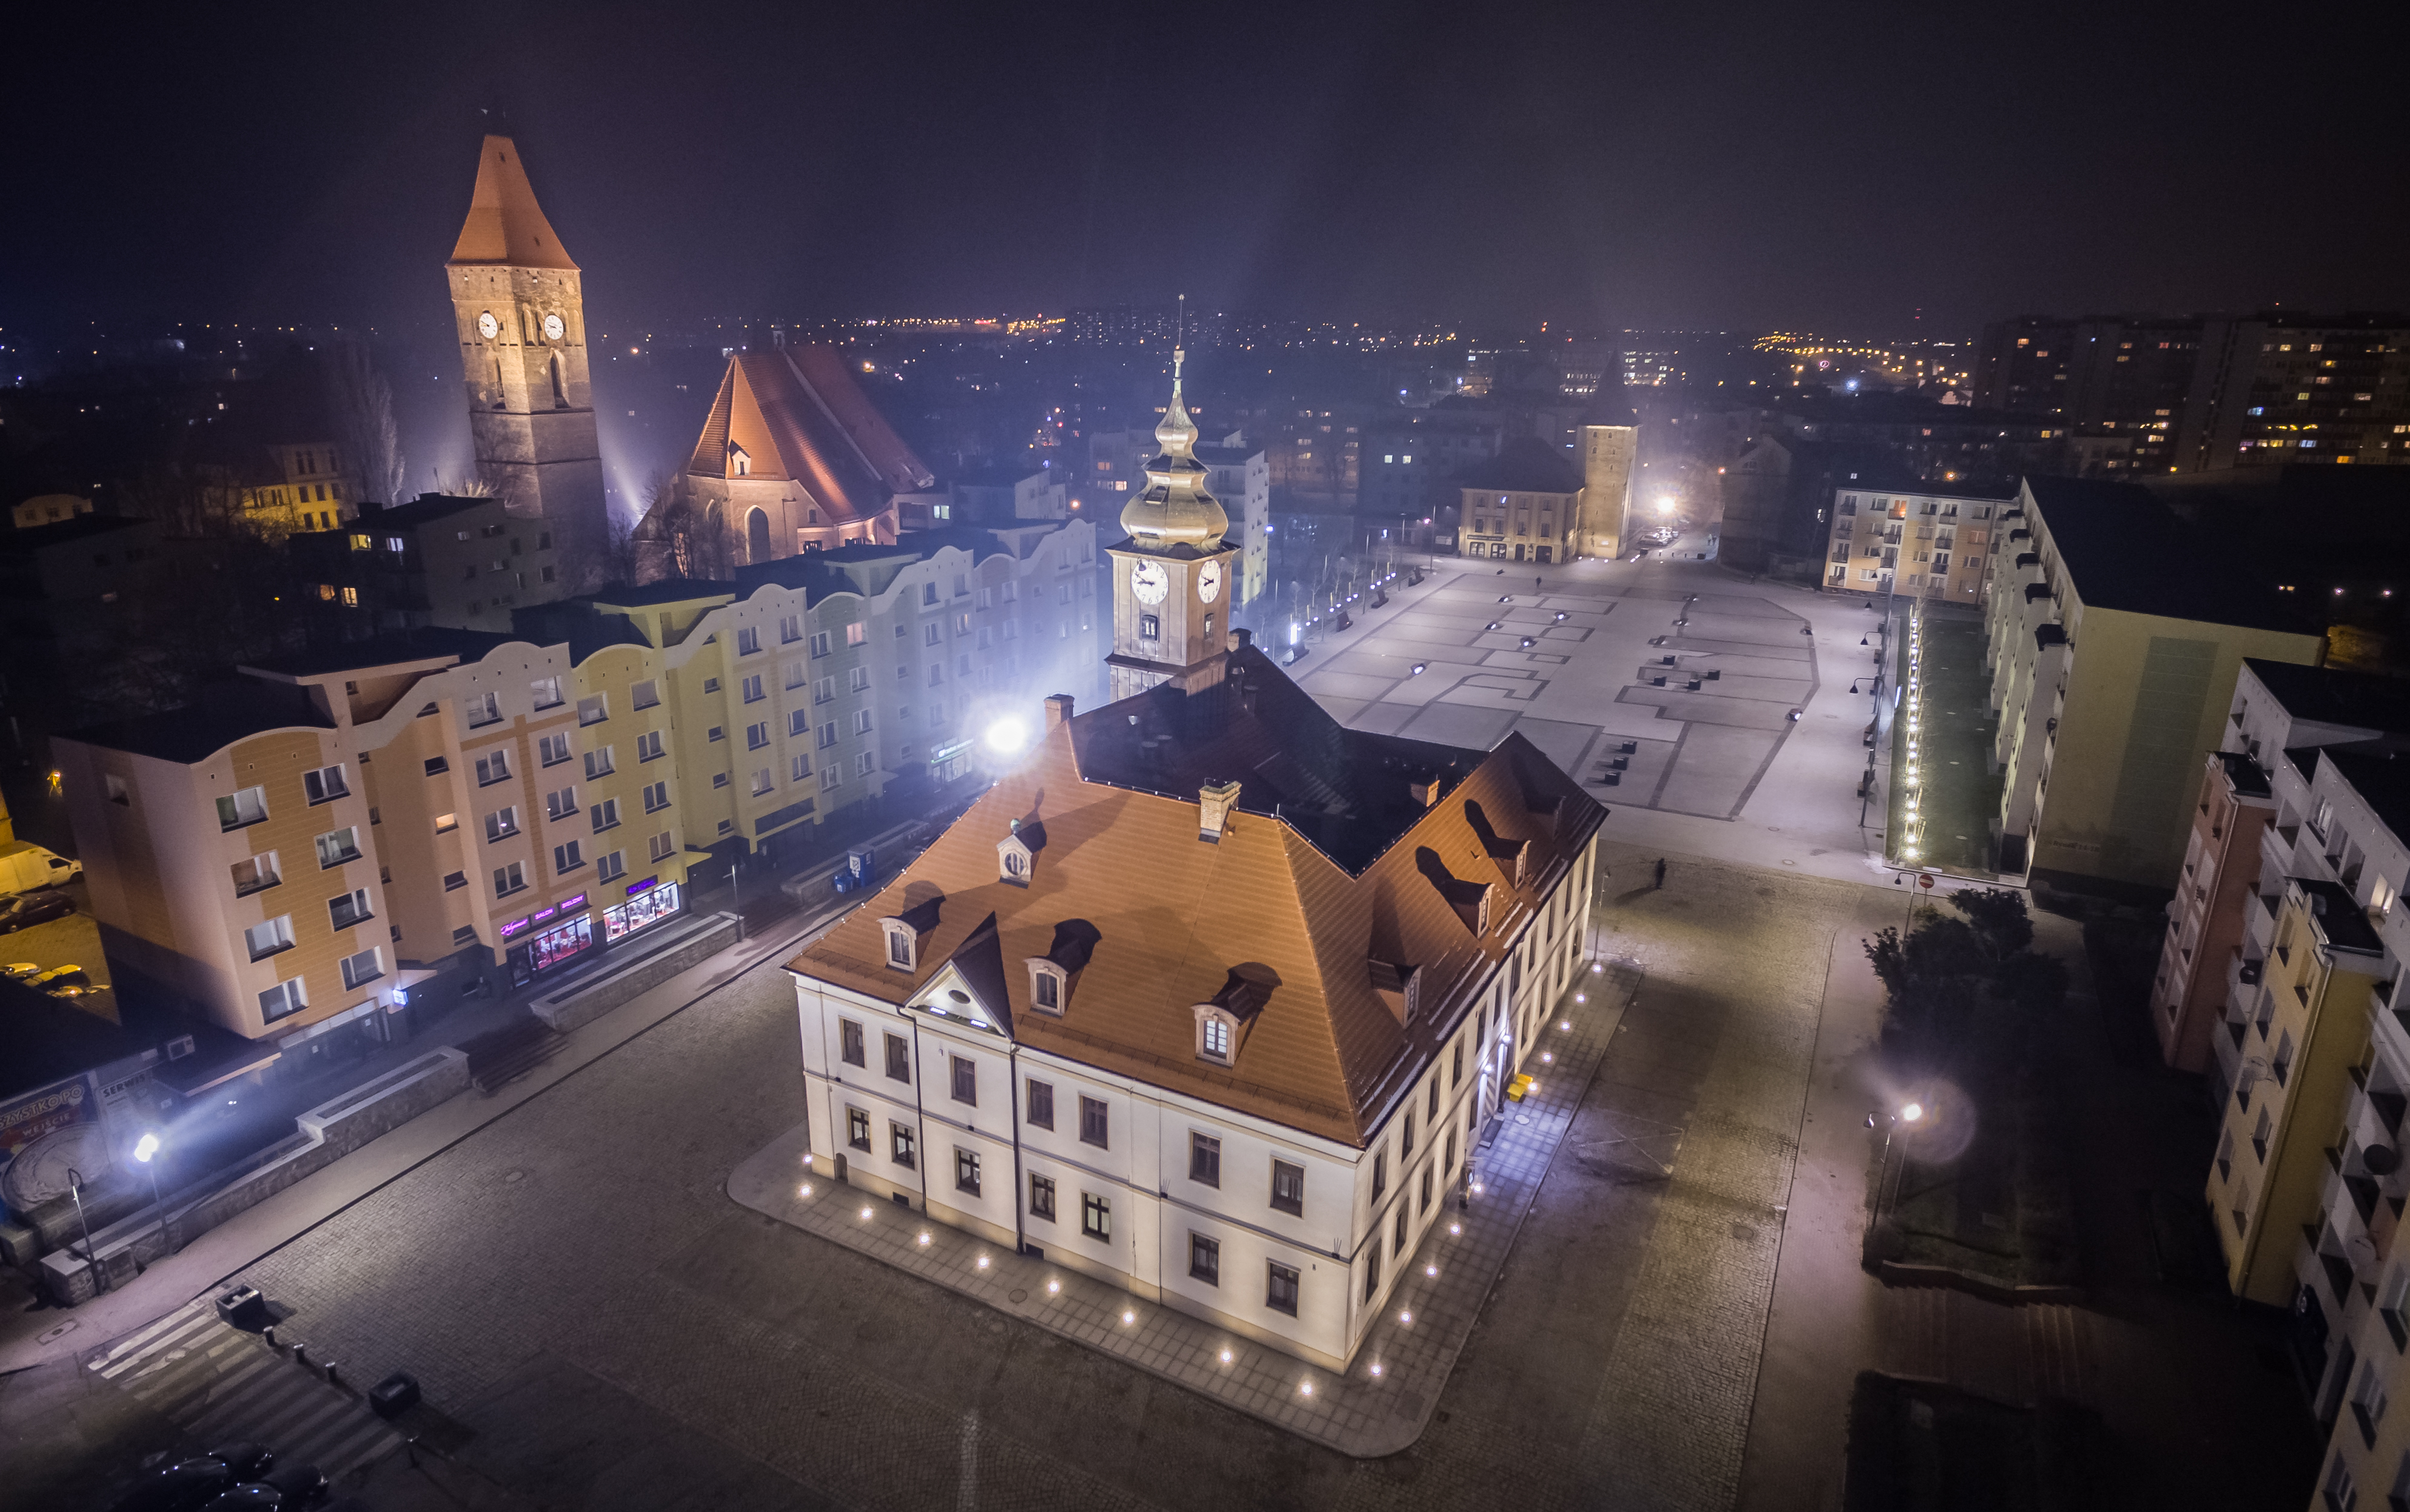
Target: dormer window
[(1046, 987), (1481, 914), (1213, 1038), (901, 950), (1016, 854), (740, 463)]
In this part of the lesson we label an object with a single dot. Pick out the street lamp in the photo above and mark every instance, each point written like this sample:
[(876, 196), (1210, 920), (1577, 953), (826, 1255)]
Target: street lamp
[(91, 1257), (144, 1149)]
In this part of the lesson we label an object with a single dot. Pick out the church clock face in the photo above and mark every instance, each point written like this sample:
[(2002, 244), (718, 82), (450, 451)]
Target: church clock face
[(1149, 582), (487, 327), (1209, 582), (553, 327)]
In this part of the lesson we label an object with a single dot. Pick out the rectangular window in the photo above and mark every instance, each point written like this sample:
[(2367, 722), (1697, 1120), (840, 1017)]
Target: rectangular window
[(508, 880), (752, 689), (1041, 1105), (850, 1043), (249, 807), (715, 734), (644, 694), (1372, 1268), (649, 745), (560, 803), (798, 722), (856, 633), (1280, 1288), (1205, 1259), (1451, 1152), (348, 909), (1150, 628), (363, 969), (856, 1129), (899, 1058), (1092, 1122), (606, 814), (283, 1000), (966, 1171), (438, 766), (820, 643), (566, 858), (965, 1080), (862, 721), (266, 939), (1380, 1174), (552, 749), (547, 690), (1406, 1138), (1095, 1217), (502, 823), (661, 845), (798, 768), (455, 881), (593, 709), (1398, 1241), (480, 709), (598, 764), (827, 735), (1423, 1199), (900, 1143), (336, 847), (757, 736), (325, 785), (1288, 1188), (255, 875), (657, 797), (494, 766), (1041, 1198), (611, 868), (748, 640), (790, 629), (857, 680), (1205, 1160)]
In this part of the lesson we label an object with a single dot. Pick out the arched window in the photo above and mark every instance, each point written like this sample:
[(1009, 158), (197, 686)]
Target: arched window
[(757, 536), (560, 395)]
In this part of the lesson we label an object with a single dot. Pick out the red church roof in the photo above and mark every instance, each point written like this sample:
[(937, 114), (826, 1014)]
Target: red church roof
[(505, 227), (799, 418)]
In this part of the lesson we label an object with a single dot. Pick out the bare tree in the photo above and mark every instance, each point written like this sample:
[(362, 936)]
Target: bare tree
[(469, 486), (362, 403)]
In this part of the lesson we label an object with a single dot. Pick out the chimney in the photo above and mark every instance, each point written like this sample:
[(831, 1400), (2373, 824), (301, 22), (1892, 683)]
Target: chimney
[(1241, 639), (1425, 792), (1058, 709), (1214, 802)]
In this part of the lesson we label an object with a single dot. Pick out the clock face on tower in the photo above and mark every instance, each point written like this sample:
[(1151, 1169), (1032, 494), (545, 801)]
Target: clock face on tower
[(487, 327), (1149, 582), (1209, 582), (552, 327)]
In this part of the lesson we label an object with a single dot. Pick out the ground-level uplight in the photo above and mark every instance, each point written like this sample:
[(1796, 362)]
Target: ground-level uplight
[(924, 1238), (982, 1262), (1406, 1316), (865, 1215), (1053, 1288), (1430, 1269), (806, 1190), (1456, 1228), (1227, 1357), (1128, 1318), (1376, 1368)]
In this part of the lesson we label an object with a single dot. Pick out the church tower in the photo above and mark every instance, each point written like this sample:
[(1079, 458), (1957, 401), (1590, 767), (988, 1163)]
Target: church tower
[(522, 328), (1171, 577)]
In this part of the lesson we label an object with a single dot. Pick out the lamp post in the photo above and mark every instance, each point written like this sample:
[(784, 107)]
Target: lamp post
[(144, 1149), (75, 1189), (1912, 1113)]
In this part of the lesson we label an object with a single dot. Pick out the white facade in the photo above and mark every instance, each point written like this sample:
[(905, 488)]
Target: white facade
[(1033, 1119)]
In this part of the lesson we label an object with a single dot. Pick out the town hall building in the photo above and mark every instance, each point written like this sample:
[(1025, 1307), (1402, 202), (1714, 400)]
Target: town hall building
[(1211, 997)]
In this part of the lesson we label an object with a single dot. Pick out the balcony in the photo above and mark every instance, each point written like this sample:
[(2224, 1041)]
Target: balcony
[(2363, 1196)]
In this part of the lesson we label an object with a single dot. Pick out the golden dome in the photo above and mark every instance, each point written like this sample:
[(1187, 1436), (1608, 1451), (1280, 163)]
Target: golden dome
[(1175, 510)]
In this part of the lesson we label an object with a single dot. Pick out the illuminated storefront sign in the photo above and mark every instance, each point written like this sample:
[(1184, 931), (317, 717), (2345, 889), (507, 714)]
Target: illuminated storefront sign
[(650, 905), (556, 945)]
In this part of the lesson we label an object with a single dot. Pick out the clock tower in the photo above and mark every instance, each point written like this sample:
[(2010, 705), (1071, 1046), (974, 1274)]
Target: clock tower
[(521, 320), (1171, 577)]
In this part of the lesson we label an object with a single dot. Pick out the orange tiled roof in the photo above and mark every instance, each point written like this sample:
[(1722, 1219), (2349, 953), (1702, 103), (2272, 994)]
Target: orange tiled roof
[(505, 225), (1173, 915), (801, 418)]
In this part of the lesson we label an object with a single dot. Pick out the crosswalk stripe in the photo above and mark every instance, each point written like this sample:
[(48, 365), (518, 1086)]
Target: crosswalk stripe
[(189, 1382), (189, 1330), (372, 1440), (260, 1395), (136, 1339), (300, 1432)]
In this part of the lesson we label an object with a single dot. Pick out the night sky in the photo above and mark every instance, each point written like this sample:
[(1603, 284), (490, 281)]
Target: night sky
[(1491, 165)]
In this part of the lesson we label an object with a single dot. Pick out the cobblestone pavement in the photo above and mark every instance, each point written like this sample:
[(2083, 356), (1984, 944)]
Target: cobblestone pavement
[(583, 1301)]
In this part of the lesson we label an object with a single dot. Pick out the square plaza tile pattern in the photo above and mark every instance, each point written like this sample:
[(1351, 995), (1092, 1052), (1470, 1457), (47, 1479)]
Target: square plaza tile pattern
[(1361, 1413)]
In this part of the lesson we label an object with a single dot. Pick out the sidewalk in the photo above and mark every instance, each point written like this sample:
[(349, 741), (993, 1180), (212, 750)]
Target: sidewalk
[(1384, 1401), (35, 1337)]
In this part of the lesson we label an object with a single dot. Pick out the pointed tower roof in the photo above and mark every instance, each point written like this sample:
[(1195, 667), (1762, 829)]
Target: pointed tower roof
[(1175, 510), (505, 227)]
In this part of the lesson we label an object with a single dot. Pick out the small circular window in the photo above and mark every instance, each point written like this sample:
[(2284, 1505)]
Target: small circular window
[(958, 994)]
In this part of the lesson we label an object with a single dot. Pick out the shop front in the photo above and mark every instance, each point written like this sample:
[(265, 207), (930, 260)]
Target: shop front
[(574, 929), (649, 903)]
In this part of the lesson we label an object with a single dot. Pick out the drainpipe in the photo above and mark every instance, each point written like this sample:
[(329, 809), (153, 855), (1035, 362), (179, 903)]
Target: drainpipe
[(1013, 1108)]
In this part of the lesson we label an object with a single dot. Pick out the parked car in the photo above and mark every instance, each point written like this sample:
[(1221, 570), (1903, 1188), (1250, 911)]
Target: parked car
[(189, 1485), (20, 970), (300, 1483), (60, 977), (27, 909), (25, 867)]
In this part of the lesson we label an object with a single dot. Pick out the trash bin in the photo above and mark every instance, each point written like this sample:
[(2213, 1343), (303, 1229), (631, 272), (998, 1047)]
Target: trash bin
[(242, 1306), (394, 1395)]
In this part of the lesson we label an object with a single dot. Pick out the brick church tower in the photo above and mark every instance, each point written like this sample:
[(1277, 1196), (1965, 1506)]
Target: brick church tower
[(522, 325)]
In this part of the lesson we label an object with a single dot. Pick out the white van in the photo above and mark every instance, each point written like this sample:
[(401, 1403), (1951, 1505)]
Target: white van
[(25, 867)]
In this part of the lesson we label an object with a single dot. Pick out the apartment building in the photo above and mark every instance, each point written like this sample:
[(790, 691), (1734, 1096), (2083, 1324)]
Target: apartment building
[(1210, 999), (2204, 977), (460, 564), (1905, 541), (1241, 476), (1524, 504), (2111, 635), (488, 806)]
